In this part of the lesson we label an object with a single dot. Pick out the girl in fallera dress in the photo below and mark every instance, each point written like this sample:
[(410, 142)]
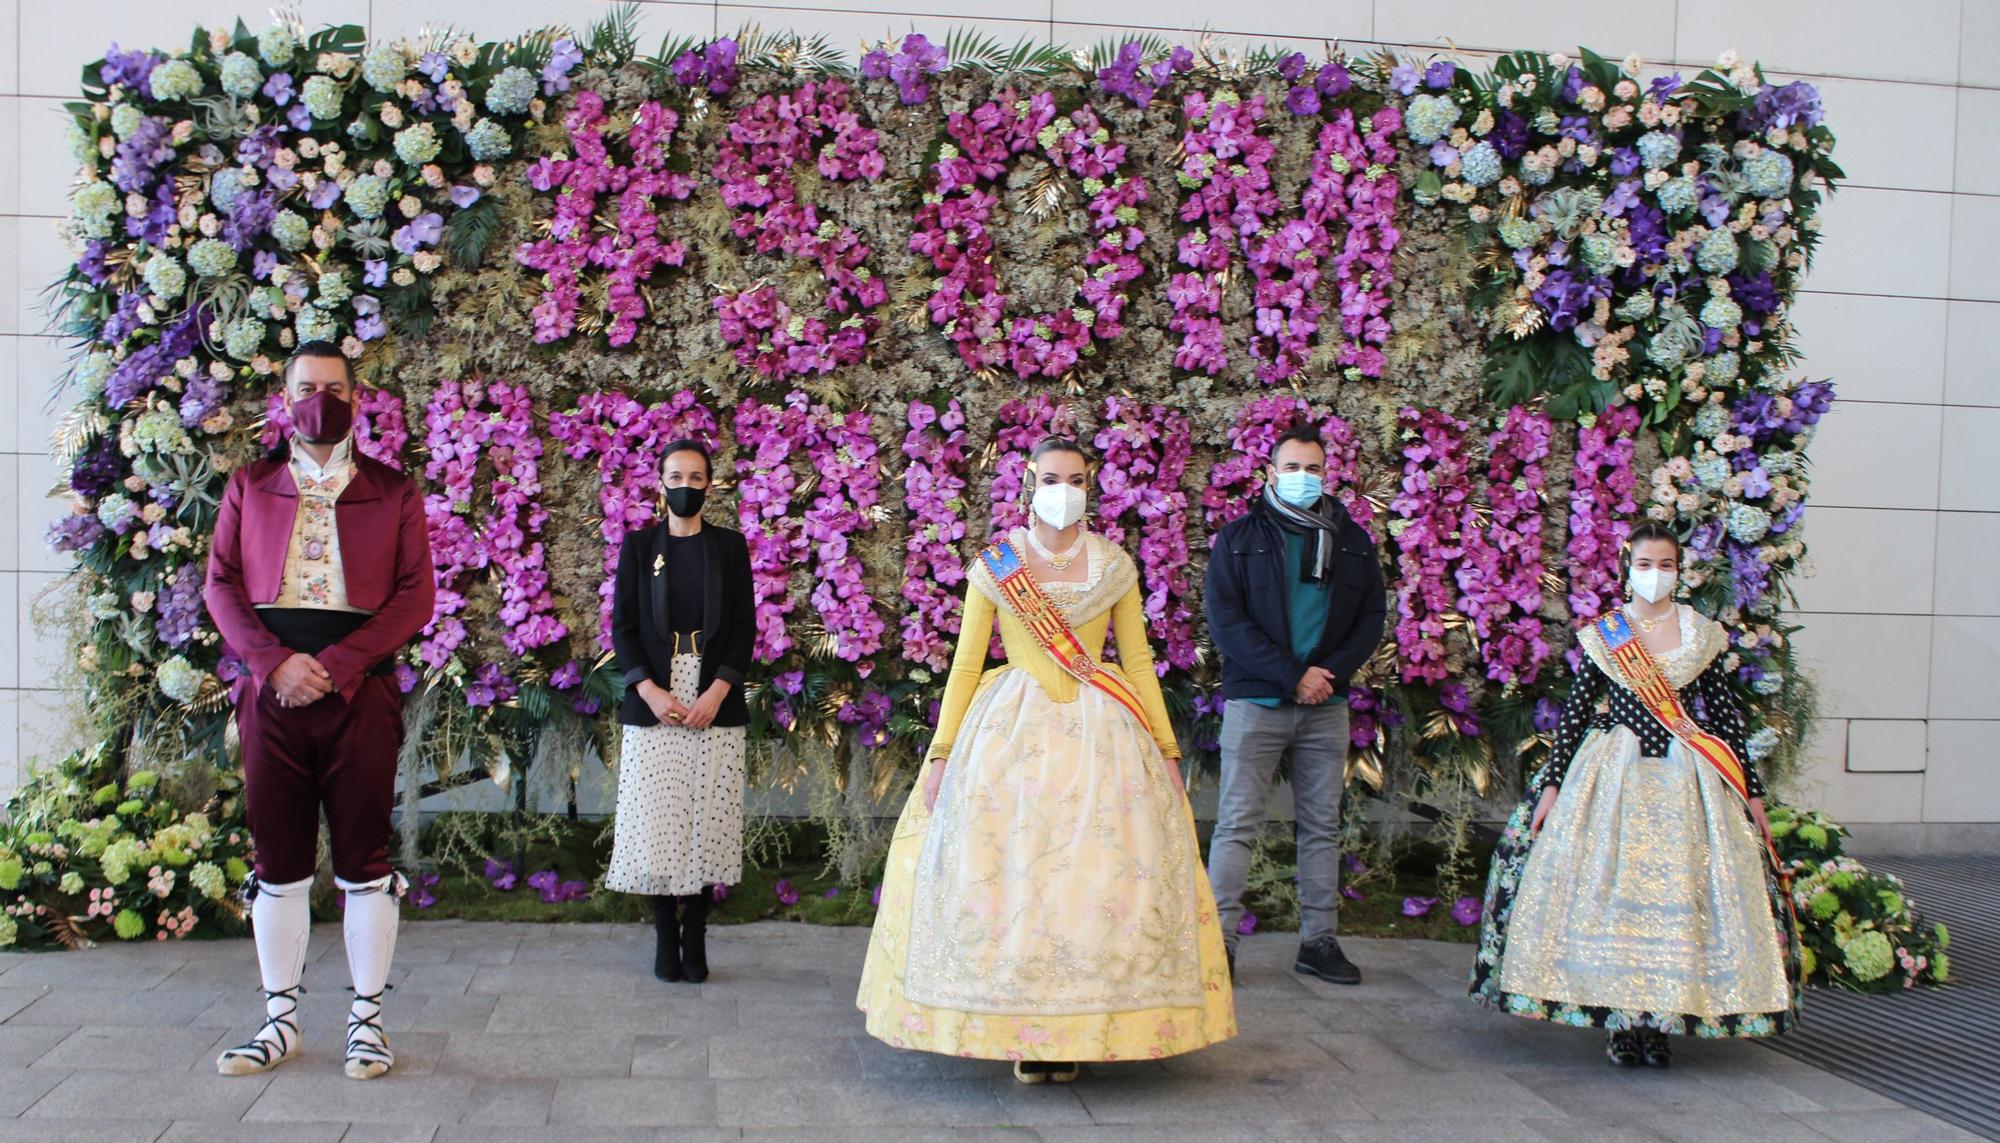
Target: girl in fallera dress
[(1044, 900), (1635, 888)]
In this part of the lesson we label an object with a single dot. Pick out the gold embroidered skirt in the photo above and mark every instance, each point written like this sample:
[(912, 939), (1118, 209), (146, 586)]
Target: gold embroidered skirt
[(1054, 906), (1646, 892)]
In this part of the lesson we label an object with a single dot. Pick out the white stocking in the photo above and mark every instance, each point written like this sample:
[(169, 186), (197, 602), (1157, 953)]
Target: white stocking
[(371, 941), (281, 922)]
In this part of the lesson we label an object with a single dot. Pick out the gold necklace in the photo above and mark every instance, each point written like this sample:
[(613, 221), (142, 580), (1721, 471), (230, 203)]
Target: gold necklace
[(1645, 624), (1056, 560)]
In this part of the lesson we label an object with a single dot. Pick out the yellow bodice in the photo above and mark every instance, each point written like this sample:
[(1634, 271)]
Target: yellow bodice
[(1126, 618)]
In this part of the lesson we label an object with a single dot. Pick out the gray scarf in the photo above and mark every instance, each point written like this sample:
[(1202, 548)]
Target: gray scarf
[(1318, 522)]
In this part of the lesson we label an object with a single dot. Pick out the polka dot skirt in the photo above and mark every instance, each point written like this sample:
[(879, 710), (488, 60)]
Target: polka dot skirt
[(680, 803)]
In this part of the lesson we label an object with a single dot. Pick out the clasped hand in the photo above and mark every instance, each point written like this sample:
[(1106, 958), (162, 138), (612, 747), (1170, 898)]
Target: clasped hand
[(670, 710), (1315, 688), (300, 681)]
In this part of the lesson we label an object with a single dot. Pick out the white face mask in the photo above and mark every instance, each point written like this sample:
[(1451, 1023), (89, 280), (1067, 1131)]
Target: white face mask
[(1651, 584), (1058, 505)]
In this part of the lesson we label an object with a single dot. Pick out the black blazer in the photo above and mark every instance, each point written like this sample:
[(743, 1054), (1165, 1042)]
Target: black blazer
[(644, 646), (1249, 619)]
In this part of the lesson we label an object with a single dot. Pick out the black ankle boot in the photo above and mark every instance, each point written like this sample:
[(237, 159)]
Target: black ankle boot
[(667, 939), (694, 936)]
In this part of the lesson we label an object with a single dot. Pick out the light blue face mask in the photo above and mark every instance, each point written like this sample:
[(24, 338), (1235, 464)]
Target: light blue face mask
[(1300, 489)]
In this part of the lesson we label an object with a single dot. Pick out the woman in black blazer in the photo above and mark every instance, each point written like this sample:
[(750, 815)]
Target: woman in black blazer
[(683, 622)]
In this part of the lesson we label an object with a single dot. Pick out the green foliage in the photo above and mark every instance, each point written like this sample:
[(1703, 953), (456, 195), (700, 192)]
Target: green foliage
[(1859, 929), (1545, 365)]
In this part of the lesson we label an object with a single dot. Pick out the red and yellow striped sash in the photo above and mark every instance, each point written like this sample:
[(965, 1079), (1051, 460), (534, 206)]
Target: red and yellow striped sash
[(1037, 612)]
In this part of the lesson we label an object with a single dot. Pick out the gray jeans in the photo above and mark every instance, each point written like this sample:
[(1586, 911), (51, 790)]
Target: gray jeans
[(1308, 744)]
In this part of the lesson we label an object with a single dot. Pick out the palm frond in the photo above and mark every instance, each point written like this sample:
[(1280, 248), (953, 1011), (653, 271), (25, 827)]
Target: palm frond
[(1031, 58), (977, 50), (470, 232), (614, 40)]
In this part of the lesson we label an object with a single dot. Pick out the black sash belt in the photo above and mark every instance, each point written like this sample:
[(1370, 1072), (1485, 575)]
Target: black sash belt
[(314, 629)]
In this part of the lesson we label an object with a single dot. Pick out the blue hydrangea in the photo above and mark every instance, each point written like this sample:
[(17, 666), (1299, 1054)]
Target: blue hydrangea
[(223, 187), (241, 77), (1770, 684), (417, 144), (1636, 307), (125, 119), (117, 511), (267, 300), (1711, 421), (1480, 165), (291, 231), (1537, 175), (513, 89), (159, 430), (276, 45), (1710, 471), (322, 97), (383, 67), (91, 374), (180, 680), (1520, 232), (367, 196), (82, 147), (1722, 313), (1678, 196), (1724, 367), (1717, 252), (165, 276), (1657, 149), (1780, 463), (1768, 175), (243, 338), (93, 207), (212, 258), (1597, 250), (176, 80), (315, 324), (1748, 523), (1427, 118), (488, 141), (334, 289)]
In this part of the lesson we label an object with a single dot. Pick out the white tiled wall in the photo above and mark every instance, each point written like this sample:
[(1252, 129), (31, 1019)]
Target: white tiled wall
[(1903, 619)]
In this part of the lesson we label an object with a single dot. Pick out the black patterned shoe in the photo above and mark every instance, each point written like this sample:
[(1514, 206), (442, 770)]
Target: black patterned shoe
[(1654, 1048), (1622, 1046)]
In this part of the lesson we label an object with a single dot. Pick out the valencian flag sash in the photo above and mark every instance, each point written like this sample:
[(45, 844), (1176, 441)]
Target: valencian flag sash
[(1024, 597), (1643, 675)]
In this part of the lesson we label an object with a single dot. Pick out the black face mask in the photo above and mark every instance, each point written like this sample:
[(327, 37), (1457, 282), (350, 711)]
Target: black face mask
[(685, 501)]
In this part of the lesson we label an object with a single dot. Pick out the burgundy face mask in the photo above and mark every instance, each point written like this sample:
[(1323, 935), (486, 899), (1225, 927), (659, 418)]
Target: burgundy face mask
[(322, 418)]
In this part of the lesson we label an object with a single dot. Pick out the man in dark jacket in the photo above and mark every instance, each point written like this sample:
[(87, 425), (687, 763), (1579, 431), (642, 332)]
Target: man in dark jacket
[(1295, 606), (320, 573)]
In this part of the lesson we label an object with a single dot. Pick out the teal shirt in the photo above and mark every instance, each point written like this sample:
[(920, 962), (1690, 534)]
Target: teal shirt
[(1306, 607)]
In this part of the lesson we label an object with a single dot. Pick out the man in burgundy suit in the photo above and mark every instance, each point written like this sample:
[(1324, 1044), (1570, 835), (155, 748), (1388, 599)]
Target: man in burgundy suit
[(320, 573)]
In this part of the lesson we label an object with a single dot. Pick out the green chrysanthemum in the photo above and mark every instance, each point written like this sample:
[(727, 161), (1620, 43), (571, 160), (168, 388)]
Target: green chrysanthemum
[(129, 925)]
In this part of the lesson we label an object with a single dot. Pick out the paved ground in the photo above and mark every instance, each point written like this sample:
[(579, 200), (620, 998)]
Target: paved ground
[(558, 1032)]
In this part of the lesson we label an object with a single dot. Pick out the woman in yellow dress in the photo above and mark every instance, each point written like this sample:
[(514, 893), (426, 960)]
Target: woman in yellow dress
[(1044, 900)]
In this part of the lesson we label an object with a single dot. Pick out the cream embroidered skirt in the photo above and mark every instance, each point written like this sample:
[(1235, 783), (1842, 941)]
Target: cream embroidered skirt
[(680, 803), (1647, 893), (1054, 907)]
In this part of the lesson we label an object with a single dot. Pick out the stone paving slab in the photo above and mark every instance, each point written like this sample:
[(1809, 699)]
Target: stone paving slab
[(520, 1033)]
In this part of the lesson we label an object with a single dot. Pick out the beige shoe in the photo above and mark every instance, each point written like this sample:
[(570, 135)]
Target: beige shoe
[(368, 1054), (274, 1043)]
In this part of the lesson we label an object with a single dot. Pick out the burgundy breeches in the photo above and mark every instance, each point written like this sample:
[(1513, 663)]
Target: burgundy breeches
[(335, 754)]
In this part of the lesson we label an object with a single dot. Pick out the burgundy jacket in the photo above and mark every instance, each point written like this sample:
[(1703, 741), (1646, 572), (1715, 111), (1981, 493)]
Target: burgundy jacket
[(385, 551)]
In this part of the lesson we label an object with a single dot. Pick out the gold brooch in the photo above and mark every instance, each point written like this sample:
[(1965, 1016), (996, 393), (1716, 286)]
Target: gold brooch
[(658, 563)]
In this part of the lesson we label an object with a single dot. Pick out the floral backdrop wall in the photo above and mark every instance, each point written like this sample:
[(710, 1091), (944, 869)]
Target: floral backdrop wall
[(1526, 303)]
